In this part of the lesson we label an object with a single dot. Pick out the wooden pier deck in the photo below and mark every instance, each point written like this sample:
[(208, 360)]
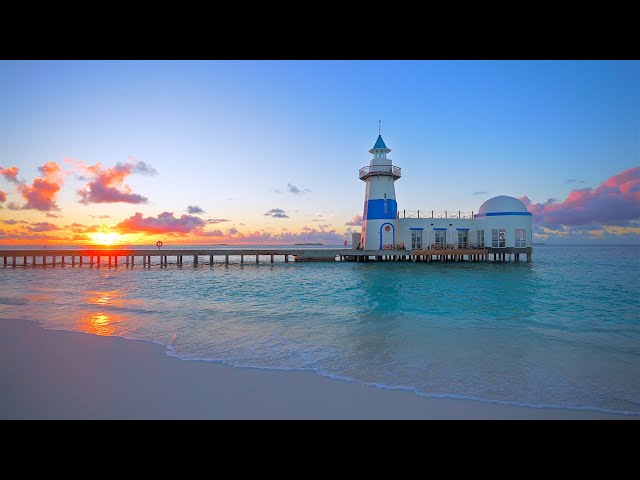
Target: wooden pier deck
[(163, 257), (131, 257)]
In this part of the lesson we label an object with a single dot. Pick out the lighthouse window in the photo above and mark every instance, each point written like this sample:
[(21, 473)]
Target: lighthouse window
[(498, 238), (416, 239), (440, 237), (521, 237), (480, 238)]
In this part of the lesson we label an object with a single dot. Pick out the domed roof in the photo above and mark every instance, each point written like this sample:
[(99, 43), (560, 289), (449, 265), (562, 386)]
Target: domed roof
[(502, 204)]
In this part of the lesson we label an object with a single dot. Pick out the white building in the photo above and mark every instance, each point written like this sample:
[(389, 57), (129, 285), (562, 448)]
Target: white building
[(502, 225)]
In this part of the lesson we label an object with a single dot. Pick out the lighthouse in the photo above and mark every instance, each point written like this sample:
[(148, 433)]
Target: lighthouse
[(380, 207)]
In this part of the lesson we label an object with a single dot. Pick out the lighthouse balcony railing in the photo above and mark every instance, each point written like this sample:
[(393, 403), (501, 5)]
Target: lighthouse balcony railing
[(390, 170), (448, 214)]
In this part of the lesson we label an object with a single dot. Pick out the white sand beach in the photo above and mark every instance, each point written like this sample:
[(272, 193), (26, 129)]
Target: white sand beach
[(49, 374)]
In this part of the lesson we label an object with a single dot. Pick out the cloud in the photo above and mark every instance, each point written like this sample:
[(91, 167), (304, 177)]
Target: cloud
[(79, 228), (480, 193), (12, 222), (100, 216), (41, 195), (142, 167), (53, 215), (3, 196), (10, 174), (615, 202), (194, 210), (163, 223), (356, 221), (276, 213), (213, 233), (586, 234), (42, 227), (295, 190), (216, 220), (232, 231), (23, 237), (283, 238), (573, 180), (107, 185), (277, 190)]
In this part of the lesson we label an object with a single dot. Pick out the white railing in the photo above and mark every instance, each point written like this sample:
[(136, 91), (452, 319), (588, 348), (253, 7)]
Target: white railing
[(391, 170), (452, 214)]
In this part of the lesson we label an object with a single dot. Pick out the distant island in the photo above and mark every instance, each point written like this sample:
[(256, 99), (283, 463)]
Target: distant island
[(308, 243), (537, 244), (219, 244)]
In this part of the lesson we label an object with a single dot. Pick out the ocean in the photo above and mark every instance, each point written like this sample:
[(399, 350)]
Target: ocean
[(562, 331)]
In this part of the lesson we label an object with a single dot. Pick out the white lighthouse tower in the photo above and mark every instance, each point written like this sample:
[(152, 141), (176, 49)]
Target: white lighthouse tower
[(380, 207)]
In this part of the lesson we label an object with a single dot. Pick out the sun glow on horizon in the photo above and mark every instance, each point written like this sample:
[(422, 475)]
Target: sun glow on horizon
[(106, 238)]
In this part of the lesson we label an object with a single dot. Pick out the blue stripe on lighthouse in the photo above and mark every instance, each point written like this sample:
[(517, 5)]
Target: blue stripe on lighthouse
[(374, 209)]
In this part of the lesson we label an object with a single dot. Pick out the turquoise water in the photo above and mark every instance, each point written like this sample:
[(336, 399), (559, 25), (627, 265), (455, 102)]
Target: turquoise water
[(563, 330)]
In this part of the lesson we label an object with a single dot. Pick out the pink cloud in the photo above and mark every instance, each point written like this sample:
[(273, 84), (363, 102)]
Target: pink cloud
[(356, 221), (311, 235), (107, 185), (41, 195), (11, 173), (12, 221), (213, 233), (3, 196), (616, 201), (42, 227), (163, 223)]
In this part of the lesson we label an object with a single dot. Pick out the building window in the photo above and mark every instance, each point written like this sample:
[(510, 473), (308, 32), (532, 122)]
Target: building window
[(480, 238), (498, 238), (416, 239), (441, 238), (463, 238), (521, 238)]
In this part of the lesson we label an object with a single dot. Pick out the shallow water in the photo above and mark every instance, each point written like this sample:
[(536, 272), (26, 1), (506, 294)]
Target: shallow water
[(563, 330)]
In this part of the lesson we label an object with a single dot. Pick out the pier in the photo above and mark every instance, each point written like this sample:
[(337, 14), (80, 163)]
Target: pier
[(148, 257)]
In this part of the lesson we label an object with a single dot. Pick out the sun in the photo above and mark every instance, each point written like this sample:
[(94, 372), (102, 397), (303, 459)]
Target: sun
[(104, 238)]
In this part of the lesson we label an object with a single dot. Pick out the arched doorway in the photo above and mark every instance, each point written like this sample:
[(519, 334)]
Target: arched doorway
[(387, 234)]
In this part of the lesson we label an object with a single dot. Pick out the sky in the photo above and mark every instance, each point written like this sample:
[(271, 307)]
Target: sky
[(268, 152)]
